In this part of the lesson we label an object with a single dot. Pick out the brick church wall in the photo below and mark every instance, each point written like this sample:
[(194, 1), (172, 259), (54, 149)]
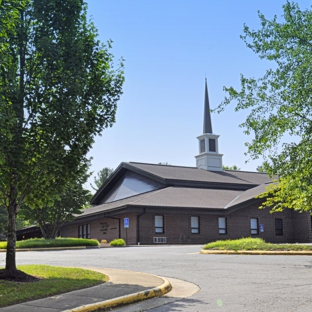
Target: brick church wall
[(177, 227)]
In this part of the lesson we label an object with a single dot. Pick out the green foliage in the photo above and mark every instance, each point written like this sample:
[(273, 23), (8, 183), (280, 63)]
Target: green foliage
[(230, 168), (101, 177), (279, 103), (58, 242), (293, 192), (249, 243), (20, 223), (118, 242), (71, 202), (58, 90), (54, 280)]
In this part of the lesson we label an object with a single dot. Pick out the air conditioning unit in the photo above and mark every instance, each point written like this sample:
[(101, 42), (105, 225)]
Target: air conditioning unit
[(162, 240)]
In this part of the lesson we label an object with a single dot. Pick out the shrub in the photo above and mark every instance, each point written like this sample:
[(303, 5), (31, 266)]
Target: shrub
[(58, 242), (104, 241), (118, 242)]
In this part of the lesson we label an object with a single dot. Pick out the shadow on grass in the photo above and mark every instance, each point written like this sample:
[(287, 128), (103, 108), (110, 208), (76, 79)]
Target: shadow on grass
[(12, 292)]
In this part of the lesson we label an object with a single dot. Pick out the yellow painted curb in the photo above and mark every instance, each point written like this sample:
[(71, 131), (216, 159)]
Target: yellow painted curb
[(127, 299), (257, 252)]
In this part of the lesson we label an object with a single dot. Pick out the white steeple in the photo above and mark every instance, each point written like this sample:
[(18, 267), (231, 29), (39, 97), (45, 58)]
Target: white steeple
[(209, 157)]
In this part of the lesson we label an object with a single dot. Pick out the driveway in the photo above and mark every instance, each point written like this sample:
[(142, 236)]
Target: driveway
[(227, 282)]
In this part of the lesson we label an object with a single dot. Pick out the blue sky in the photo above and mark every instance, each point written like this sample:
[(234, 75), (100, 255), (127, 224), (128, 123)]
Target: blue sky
[(169, 46)]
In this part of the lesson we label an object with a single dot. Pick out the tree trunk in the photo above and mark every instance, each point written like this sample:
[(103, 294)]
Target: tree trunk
[(44, 230), (10, 264), (56, 228)]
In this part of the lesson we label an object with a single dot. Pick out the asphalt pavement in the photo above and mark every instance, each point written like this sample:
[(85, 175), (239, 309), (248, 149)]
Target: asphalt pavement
[(226, 282)]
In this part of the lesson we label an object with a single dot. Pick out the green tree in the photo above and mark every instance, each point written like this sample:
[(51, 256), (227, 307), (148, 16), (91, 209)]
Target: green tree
[(279, 104), (101, 176), (230, 168), (58, 90), (71, 202), (262, 168)]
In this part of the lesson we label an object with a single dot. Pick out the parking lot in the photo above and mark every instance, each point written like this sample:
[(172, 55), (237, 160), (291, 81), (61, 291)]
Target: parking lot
[(227, 282)]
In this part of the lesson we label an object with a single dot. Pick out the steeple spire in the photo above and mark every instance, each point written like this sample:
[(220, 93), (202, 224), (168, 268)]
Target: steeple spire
[(207, 117), (209, 157)]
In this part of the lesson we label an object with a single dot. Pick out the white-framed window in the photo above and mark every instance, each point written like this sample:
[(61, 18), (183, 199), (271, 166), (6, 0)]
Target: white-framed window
[(84, 230), (254, 228), (195, 225), (222, 225), (159, 224)]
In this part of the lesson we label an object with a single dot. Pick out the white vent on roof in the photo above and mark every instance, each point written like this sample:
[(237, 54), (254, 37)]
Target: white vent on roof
[(162, 240)]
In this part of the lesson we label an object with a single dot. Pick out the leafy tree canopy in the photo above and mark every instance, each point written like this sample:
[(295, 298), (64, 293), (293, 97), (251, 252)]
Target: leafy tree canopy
[(58, 90), (101, 176), (230, 168), (280, 102), (70, 203), (263, 167)]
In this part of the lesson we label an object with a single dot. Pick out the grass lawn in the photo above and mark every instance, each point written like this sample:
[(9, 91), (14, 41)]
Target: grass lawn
[(55, 280), (58, 242), (253, 244)]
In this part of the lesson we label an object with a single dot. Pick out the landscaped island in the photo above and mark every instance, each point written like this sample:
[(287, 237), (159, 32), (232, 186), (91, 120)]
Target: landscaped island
[(253, 244)]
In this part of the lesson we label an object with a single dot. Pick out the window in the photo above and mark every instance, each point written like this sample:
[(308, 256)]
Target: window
[(254, 229), (212, 145), (202, 146), (195, 225), (278, 226), (159, 224), (222, 225), (84, 231)]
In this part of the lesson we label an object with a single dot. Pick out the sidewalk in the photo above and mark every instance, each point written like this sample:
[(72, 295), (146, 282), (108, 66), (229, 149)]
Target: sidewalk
[(124, 287)]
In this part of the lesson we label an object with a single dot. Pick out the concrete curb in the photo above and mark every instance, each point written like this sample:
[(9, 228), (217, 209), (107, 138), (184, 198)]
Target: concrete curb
[(257, 252), (127, 299)]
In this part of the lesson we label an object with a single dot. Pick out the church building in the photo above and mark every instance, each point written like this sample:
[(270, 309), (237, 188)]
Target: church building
[(162, 204)]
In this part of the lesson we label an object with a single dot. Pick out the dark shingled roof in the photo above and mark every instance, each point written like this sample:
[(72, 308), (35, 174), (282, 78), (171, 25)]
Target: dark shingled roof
[(249, 194), (114, 205), (181, 197), (199, 175), (188, 197)]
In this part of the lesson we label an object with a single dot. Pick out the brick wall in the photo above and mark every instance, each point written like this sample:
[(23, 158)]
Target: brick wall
[(177, 227), (302, 227), (106, 228), (132, 230), (239, 224)]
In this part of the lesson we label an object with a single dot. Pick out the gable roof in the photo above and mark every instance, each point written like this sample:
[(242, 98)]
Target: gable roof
[(248, 195), (181, 197), (193, 174), (178, 176)]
